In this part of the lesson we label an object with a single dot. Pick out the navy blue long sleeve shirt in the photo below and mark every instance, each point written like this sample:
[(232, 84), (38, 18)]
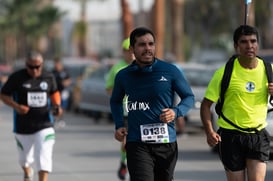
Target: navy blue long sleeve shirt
[(147, 91)]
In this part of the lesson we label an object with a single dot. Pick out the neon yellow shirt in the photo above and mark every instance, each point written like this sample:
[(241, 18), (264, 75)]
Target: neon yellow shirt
[(110, 80), (246, 98), (113, 72)]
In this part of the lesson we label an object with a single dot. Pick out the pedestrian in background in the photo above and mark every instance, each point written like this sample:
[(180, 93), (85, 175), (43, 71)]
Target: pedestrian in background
[(128, 57), (149, 85), (243, 148), (63, 80), (32, 93)]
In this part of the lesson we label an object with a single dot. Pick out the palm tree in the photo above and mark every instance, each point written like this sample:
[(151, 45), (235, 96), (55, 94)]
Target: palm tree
[(159, 27), (126, 18), (23, 24), (81, 27), (80, 30), (178, 29), (174, 28)]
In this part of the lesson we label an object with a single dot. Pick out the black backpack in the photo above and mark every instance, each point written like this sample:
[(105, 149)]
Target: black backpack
[(225, 83)]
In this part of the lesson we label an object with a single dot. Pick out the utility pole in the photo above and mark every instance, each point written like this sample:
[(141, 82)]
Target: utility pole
[(250, 18)]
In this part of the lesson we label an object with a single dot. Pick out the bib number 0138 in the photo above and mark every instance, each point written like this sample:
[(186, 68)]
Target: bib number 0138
[(154, 133)]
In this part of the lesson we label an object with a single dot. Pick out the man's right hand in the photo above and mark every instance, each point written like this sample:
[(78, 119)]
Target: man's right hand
[(120, 134), (213, 139), (22, 109)]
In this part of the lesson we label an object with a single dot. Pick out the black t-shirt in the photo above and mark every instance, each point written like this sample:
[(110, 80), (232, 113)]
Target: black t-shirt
[(34, 93), (60, 77)]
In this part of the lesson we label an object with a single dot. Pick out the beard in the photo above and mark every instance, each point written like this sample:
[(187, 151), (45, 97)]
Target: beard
[(146, 58), (145, 62)]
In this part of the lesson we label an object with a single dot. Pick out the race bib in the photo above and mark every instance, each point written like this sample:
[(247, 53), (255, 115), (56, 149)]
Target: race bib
[(154, 133), (36, 99)]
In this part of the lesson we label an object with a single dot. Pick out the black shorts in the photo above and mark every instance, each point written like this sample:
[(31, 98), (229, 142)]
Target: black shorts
[(151, 162), (236, 147)]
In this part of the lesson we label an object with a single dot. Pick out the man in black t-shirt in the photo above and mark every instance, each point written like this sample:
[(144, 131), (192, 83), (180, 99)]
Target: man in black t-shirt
[(32, 93)]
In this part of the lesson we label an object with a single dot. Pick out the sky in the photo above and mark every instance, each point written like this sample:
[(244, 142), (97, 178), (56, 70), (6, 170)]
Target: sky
[(100, 9)]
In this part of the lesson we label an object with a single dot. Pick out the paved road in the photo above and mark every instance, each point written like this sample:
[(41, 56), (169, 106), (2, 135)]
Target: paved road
[(85, 151)]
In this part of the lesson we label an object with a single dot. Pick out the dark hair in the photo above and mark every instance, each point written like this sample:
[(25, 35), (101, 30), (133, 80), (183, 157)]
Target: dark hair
[(139, 32), (244, 30)]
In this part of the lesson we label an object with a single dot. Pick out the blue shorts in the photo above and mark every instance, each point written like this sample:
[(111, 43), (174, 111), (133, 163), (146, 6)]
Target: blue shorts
[(151, 162), (236, 147)]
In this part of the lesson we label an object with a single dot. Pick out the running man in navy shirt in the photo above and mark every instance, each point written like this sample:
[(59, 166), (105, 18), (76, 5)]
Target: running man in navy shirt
[(149, 86), (32, 92)]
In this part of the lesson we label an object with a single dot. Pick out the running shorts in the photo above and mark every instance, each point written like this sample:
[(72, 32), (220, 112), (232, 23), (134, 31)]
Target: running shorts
[(236, 147), (36, 147), (151, 162)]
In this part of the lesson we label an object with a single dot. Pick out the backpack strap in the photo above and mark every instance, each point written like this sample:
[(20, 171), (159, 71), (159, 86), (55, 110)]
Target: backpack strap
[(224, 83), (226, 77), (238, 127)]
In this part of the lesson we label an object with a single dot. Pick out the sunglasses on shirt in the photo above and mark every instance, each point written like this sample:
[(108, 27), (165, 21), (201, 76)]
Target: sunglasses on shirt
[(32, 67)]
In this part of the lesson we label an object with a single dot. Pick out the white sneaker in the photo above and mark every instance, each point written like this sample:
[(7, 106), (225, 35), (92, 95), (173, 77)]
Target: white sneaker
[(30, 176)]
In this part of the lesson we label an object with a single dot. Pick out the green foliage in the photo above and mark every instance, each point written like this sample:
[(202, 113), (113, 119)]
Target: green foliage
[(206, 21), (80, 29), (263, 13), (27, 18)]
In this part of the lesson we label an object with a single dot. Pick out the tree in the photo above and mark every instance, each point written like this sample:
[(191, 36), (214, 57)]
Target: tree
[(80, 30), (24, 22), (178, 29), (206, 31), (126, 18), (80, 36), (263, 19), (159, 27)]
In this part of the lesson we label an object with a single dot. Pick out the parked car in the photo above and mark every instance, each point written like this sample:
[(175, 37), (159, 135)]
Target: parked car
[(89, 93), (198, 76), (209, 56), (75, 67)]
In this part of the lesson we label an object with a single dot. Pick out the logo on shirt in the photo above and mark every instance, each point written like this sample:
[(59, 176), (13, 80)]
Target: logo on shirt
[(250, 86), (43, 85), (134, 106), (27, 85), (163, 79)]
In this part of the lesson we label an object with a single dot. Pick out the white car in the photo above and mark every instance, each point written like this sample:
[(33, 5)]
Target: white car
[(198, 76)]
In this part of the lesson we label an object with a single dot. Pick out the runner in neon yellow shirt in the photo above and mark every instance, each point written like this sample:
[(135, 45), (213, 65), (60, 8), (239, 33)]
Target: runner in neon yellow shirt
[(243, 104), (243, 153), (128, 57)]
